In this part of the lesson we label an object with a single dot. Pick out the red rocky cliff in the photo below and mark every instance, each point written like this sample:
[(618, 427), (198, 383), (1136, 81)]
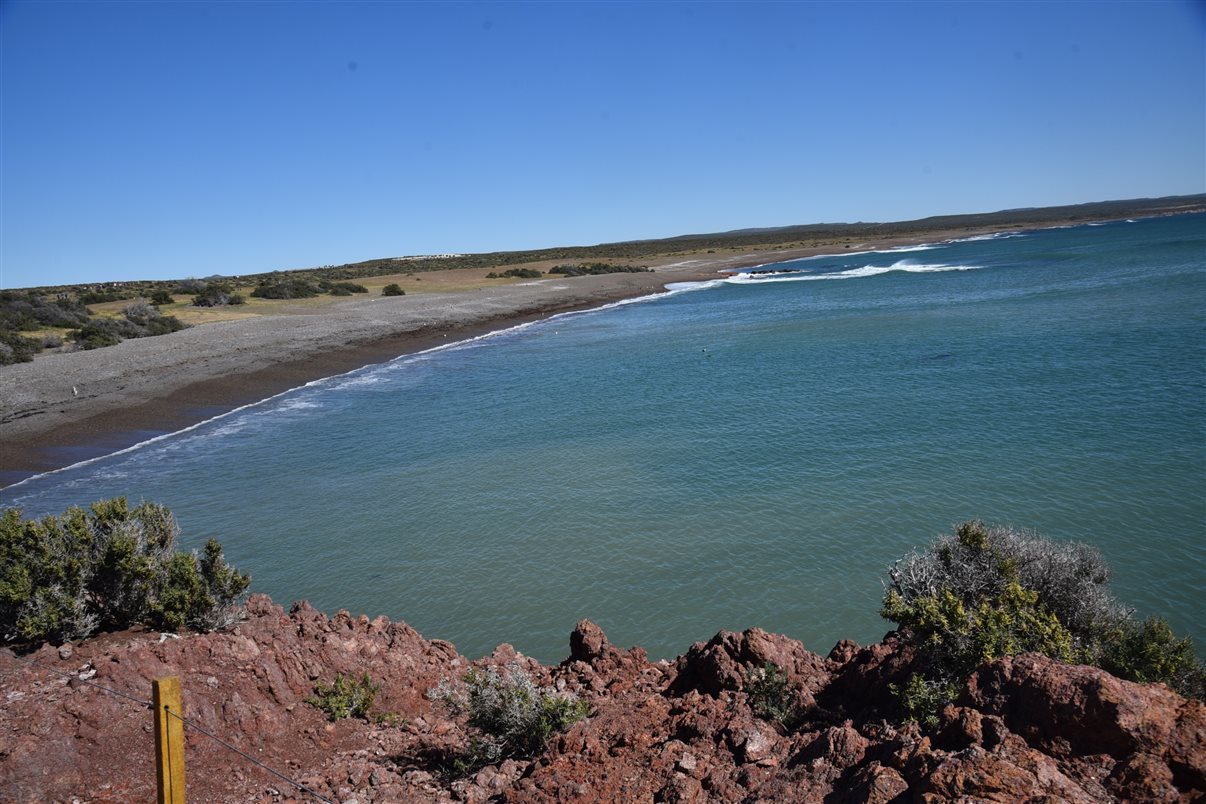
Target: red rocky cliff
[(1024, 728)]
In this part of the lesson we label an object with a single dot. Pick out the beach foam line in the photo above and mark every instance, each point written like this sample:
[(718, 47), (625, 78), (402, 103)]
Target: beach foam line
[(853, 273), (993, 236), (352, 375)]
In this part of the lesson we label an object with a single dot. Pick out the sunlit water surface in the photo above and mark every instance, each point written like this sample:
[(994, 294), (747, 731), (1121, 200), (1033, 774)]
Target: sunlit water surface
[(751, 452)]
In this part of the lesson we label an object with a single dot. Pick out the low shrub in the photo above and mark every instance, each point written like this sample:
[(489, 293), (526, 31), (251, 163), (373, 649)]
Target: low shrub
[(15, 348), (393, 289), (594, 268), (988, 592), (161, 297), (217, 295), (769, 695), (509, 715), (141, 321), (342, 288), (923, 699), (102, 296), (286, 288), (1149, 651), (189, 287), (97, 333), (347, 697), (110, 567), (516, 273)]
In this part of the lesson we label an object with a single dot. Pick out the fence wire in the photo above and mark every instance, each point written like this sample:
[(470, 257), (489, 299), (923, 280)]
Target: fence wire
[(188, 723)]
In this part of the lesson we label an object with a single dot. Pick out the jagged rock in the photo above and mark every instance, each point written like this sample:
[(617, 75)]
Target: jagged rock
[(589, 644), (1024, 728), (723, 663), (1077, 710)]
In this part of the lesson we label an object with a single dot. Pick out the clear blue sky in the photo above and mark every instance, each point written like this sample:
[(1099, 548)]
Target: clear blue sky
[(161, 140)]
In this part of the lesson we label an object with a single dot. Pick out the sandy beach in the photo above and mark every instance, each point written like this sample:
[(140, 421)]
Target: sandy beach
[(70, 406)]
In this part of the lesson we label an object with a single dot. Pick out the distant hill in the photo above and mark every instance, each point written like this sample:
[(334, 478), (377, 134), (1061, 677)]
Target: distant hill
[(771, 237)]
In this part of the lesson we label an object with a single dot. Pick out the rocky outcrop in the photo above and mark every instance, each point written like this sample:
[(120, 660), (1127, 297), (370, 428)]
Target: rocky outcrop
[(1024, 728)]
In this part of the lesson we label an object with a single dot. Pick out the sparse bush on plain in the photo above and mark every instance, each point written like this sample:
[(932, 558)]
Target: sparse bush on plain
[(595, 268), (161, 297), (189, 287), (509, 715), (988, 592), (103, 296), (286, 288), (141, 321), (515, 273), (342, 288), (110, 567), (393, 289), (214, 294), (16, 348), (347, 696)]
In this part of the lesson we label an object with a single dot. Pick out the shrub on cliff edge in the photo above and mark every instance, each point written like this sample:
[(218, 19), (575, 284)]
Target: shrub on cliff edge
[(510, 715), (110, 567), (347, 696), (988, 592)]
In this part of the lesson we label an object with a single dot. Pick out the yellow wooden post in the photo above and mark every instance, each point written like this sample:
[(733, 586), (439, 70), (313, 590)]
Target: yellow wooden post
[(169, 740)]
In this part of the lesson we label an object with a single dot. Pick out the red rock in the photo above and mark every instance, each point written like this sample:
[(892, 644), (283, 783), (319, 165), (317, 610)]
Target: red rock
[(1025, 727), (1078, 710)]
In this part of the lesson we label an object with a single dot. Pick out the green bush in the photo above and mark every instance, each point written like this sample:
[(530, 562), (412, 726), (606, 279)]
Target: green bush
[(110, 567), (347, 697), (510, 715), (1149, 651), (988, 592), (393, 289), (342, 288), (98, 333), (286, 288), (515, 273), (162, 297), (922, 700), (16, 348), (102, 296), (769, 695), (216, 295), (594, 268)]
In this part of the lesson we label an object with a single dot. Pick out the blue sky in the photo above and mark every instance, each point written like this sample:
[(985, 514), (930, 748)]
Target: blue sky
[(161, 140)]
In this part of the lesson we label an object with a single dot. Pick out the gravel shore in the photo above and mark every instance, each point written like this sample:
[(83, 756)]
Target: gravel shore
[(70, 406), (67, 406)]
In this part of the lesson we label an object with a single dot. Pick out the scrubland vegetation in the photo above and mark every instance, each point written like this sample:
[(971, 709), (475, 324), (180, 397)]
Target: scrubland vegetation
[(508, 714), (107, 568), (987, 592), (68, 319), (346, 696)]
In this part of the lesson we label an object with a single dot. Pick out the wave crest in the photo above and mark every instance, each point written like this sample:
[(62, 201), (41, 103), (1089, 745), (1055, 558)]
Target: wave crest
[(907, 266)]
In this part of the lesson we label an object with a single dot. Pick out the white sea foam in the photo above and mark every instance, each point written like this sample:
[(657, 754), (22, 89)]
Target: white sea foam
[(921, 247), (907, 266), (684, 286), (993, 236)]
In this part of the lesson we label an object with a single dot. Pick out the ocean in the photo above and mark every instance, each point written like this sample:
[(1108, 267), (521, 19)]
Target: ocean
[(751, 451)]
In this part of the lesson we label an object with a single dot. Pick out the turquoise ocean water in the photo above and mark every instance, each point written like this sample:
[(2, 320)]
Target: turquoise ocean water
[(748, 452)]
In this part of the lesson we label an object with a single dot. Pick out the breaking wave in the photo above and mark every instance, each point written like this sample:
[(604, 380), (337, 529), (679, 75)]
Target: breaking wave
[(907, 266)]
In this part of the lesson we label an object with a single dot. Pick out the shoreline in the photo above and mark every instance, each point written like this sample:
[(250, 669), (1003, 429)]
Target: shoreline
[(65, 409)]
